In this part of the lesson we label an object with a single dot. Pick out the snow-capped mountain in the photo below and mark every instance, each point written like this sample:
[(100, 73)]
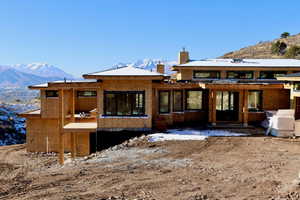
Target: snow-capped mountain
[(43, 70), (149, 64), (22, 75)]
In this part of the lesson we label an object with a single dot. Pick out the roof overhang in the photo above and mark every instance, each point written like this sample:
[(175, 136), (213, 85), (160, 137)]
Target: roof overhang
[(141, 77), (66, 85)]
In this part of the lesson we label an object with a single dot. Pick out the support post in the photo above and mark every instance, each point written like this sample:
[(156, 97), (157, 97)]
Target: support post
[(61, 124), (73, 105), (212, 113), (73, 145), (245, 108)]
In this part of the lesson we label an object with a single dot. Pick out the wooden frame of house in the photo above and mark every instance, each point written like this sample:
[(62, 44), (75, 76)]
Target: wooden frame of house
[(133, 99)]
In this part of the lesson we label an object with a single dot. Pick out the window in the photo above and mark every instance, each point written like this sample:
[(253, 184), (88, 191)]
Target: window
[(297, 86), (51, 93), (86, 93), (224, 101), (206, 74), (177, 101), (124, 103), (193, 100), (255, 101), (164, 101), (240, 74), (271, 74)]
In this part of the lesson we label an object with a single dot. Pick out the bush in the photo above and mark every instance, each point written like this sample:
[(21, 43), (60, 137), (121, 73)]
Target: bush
[(285, 35), (293, 51), (278, 48)]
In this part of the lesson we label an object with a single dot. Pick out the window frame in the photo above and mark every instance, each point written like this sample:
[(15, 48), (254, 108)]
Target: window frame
[(182, 106), (252, 74), (186, 101), (55, 96), (169, 101), (207, 71), (285, 72), (116, 103), (83, 96), (260, 99)]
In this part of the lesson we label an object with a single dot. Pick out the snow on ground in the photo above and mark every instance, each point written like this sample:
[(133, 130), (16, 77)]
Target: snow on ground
[(190, 134)]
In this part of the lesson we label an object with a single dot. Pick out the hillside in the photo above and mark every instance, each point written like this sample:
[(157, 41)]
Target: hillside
[(264, 49)]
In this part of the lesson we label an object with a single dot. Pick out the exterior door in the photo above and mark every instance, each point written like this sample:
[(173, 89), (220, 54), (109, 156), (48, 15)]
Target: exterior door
[(297, 108), (227, 106)]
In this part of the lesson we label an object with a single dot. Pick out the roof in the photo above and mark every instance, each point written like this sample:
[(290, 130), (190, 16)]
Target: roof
[(45, 85), (243, 63), (31, 113), (125, 71), (292, 75)]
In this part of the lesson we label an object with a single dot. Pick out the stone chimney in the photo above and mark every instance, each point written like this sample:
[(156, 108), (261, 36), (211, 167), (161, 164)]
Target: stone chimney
[(160, 68), (183, 56)]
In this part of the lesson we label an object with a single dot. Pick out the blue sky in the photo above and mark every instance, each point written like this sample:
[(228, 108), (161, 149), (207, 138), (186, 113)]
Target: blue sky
[(86, 36)]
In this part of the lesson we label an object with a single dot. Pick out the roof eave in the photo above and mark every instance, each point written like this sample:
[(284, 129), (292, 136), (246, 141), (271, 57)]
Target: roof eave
[(143, 77)]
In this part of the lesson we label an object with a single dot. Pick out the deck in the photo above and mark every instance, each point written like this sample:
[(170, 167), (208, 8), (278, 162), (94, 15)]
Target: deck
[(81, 127)]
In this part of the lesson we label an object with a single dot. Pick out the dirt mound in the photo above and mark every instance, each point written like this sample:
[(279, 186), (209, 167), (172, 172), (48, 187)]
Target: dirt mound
[(216, 168)]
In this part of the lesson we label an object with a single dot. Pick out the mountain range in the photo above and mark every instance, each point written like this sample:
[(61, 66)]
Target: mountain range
[(149, 64), (22, 75)]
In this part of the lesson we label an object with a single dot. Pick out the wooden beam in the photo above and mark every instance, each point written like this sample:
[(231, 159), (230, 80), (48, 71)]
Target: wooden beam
[(214, 112), (73, 93), (245, 108), (61, 125), (73, 145)]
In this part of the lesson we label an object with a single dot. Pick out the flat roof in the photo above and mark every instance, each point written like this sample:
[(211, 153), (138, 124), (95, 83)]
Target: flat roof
[(242, 63), (292, 75), (45, 85), (125, 71)]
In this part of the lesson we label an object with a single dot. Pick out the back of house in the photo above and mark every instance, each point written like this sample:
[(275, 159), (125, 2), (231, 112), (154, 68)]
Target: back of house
[(208, 91)]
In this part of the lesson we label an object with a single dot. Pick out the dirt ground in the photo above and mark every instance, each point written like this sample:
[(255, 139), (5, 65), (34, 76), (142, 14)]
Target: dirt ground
[(217, 168)]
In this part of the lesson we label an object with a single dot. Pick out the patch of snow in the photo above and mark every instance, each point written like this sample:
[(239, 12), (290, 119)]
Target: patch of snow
[(191, 134)]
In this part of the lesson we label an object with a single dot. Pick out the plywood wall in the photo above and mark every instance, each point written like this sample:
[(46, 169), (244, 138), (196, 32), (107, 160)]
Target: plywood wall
[(41, 132), (85, 104), (274, 99)]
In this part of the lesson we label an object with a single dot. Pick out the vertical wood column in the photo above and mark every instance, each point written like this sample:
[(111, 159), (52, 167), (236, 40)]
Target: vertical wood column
[(61, 123), (256, 74), (73, 93), (223, 74), (212, 107), (73, 145), (245, 108)]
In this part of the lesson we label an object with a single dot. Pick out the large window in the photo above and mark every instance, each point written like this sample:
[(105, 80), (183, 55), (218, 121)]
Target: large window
[(124, 103), (207, 74), (193, 100), (255, 101), (86, 93), (164, 101), (51, 93), (177, 100), (271, 74), (224, 101), (240, 74)]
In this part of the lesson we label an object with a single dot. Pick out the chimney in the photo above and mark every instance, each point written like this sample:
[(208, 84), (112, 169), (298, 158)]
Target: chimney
[(160, 68), (183, 56)]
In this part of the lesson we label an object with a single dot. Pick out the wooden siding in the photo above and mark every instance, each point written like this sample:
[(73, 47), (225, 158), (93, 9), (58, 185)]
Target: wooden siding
[(43, 131), (85, 104)]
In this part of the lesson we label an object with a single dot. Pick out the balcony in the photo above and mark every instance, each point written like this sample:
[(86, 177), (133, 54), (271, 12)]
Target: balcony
[(81, 122)]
